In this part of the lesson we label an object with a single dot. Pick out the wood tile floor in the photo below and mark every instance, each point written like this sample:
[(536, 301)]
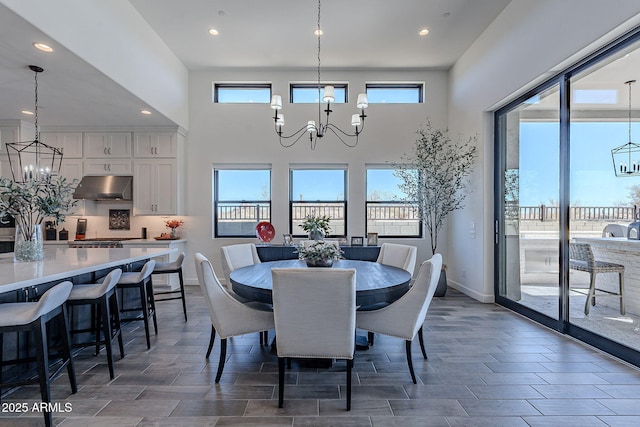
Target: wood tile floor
[(487, 367)]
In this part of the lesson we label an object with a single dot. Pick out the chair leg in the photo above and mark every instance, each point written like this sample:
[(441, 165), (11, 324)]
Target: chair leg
[(152, 303), (115, 311), (409, 361), (184, 301), (622, 309), (145, 312), (106, 330), (349, 369), (97, 315), (42, 350), (421, 338), (66, 343), (223, 356), (211, 340), (591, 296), (370, 337), (280, 382)]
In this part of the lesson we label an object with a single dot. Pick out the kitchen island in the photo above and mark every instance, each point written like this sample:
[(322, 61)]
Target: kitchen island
[(62, 263)]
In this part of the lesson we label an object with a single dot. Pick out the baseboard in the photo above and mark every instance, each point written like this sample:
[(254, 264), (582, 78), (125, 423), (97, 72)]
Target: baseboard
[(484, 298)]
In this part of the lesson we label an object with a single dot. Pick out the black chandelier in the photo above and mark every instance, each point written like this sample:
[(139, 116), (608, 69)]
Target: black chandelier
[(33, 160), (625, 157), (317, 129)]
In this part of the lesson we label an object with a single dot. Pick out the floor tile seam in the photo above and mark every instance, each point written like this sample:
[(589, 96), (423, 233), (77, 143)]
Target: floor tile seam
[(564, 399), (604, 391)]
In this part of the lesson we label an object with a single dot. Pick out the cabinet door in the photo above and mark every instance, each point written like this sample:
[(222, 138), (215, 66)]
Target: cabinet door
[(155, 187), (107, 167), (162, 144), (69, 143), (71, 169), (101, 145)]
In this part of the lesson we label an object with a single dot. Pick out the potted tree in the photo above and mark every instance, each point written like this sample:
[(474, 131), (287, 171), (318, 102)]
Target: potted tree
[(317, 226), (434, 176)]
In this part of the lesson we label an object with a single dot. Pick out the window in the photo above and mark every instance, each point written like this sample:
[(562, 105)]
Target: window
[(308, 93), (395, 93), (387, 214), (242, 199), (319, 192), (250, 93)]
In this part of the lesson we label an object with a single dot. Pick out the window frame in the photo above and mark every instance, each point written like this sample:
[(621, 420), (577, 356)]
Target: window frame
[(420, 86), (217, 201), (311, 85), (341, 167), (241, 86), (367, 203)]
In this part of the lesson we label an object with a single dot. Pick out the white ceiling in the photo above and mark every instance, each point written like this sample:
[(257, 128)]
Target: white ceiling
[(253, 34)]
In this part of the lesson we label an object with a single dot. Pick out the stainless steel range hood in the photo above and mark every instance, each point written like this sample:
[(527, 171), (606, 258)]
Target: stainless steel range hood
[(109, 187)]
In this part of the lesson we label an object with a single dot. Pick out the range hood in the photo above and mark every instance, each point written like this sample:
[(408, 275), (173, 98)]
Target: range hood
[(109, 187)]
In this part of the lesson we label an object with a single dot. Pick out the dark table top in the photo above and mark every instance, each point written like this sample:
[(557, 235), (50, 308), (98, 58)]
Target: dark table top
[(375, 283)]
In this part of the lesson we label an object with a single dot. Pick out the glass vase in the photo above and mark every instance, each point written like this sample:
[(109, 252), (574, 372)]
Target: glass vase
[(28, 244)]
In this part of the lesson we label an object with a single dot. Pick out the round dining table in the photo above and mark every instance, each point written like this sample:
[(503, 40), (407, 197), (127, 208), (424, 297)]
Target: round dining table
[(375, 283)]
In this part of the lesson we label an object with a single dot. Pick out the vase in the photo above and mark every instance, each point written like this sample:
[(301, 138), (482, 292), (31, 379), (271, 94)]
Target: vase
[(320, 263), (316, 235), (173, 234), (441, 288), (28, 244)]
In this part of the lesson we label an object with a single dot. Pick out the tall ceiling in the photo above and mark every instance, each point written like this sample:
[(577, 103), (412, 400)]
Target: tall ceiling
[(253, 34)]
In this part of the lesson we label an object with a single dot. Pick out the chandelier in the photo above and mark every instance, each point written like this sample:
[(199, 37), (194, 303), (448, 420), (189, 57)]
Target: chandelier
[(318, 129), (33, 160), (625, 157)]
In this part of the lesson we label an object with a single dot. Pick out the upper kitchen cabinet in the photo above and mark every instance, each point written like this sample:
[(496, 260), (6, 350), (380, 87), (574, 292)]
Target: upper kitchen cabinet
[(15, 131), (155, 187), (107, 145), (70, 143), (154, 144)]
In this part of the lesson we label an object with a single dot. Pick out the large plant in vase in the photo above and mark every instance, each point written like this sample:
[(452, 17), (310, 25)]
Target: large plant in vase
[(434, 177), (317, 226), (30, 203)]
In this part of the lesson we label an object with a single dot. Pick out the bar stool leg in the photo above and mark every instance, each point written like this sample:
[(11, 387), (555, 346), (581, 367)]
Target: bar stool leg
[(152, 304), (106, 330), (115, 311), (184, 301), (66, 343), (42, 355), (145, 312)]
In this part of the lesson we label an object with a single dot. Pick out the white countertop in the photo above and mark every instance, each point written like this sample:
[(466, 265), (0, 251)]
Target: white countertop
[(61, 262), (125, 243)]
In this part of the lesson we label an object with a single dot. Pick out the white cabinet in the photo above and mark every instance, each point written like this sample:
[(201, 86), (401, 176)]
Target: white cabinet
[(154, 144), (107, 167), (107, 145), (70, 143), (155, 187), (71, 169)]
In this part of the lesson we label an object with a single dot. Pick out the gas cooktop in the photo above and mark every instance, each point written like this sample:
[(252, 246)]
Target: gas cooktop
[(106, 239)]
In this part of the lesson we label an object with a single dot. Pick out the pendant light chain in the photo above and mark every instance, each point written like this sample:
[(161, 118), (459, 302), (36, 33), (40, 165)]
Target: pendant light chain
[(35, 112), (319, 99)]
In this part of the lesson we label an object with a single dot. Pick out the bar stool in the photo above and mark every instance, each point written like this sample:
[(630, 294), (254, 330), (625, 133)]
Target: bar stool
[(169, 268), (142, 281), (33, 317), (105, 299)]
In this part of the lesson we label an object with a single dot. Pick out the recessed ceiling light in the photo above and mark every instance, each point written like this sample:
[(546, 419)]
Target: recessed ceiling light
[(27, 112), (145, 112), (43, 47), (424, 32), (446, 15), (213, 31), (318, 32)]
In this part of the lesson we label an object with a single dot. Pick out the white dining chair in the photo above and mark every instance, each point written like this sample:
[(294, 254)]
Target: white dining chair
[(397, 255), (314, 312), (229, 317), (238, 256), (404, 317)]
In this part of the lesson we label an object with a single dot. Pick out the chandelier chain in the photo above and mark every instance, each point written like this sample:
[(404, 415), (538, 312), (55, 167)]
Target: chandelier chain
[(35, 112), (318, 32)]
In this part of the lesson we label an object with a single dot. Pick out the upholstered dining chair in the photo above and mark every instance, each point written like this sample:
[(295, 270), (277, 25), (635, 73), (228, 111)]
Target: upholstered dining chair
[(397, 255), (229, 317), (314, 312), (404, 317)]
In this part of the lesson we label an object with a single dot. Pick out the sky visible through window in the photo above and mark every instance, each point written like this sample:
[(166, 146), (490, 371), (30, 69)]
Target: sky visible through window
[(593, 182)]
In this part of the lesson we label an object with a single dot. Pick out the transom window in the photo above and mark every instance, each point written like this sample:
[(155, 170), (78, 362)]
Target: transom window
[(248, 93), (318, 191), (242, 199), (388, 213), (308, 93), (395, 93)]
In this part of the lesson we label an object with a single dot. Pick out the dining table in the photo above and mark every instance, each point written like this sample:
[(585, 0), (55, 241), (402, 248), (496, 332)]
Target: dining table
[(375, 283)]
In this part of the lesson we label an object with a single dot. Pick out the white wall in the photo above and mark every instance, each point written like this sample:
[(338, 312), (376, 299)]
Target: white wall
[(224, 133), (520, 48)]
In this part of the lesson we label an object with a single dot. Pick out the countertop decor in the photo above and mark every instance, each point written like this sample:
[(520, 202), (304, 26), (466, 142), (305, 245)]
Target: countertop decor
[(173, 224), (30, 203)]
